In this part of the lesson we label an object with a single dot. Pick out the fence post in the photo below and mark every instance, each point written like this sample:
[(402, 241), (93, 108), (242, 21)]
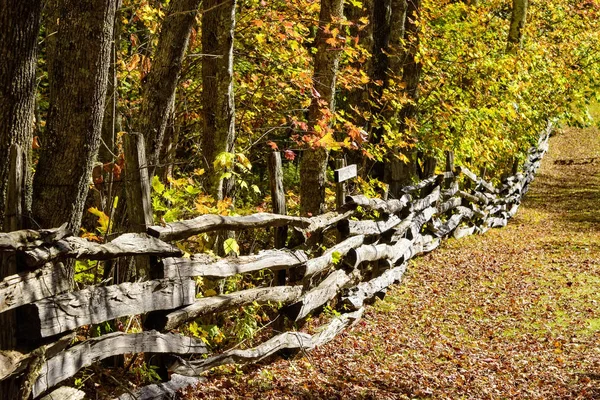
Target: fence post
[(515, 166), (277, 196), (137, 190), (482, 171), (279, 233), (467, 182), (279, 207), (449, 166), (340, 190), (13, 220)]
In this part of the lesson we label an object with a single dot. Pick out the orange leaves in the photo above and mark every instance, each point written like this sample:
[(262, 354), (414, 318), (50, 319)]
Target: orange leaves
[(140, 61), (134, 62), (357, 135), (289, 155)]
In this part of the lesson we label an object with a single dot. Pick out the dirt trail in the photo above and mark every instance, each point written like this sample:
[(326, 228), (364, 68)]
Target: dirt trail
[(514, 313)]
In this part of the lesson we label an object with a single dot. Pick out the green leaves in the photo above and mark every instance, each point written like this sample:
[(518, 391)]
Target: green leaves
[(336, 257), (231, 246), (157, 185), (224, 161)]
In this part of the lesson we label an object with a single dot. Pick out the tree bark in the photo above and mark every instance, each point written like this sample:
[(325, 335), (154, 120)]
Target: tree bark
[(159, 90), (411, 73), (398, 172), (19, 28), (218, 23), (77, 99), (389, 57), (396, 51), (313, 164), (517, 22), (358, 97), (382, 13), (111, 120)]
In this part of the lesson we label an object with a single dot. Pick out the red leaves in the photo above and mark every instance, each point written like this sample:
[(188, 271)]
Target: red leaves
[(289, 155)]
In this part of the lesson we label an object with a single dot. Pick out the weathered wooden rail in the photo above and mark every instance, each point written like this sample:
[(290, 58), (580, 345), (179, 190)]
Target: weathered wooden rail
[(456, 203)]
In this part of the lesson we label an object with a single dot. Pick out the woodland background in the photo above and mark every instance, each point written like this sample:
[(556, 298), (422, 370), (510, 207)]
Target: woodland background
[(215, 87)]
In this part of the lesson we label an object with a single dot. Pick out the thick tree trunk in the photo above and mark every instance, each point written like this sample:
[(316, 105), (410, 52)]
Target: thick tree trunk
[(382, 12), (77, 99), (358, 98), (517, 22), (159, 90), (313, 164), (411, 74), (389, 56), (19, 28), (218, 23), (399, 173), (397, 53)]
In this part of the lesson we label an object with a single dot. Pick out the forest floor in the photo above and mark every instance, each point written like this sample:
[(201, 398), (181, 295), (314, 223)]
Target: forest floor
[(514, 313)]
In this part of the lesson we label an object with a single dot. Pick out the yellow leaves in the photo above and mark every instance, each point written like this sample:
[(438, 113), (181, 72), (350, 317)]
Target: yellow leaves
[(261, 38), (204, 204), (243, 161), (103, 220), (328, 142), (224, 206)]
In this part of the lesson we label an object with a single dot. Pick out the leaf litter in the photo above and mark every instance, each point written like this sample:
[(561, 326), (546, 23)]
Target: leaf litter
[(512, 314)]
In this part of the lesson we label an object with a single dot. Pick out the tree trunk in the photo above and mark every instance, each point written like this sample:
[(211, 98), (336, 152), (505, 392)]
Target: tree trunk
[(517, 22), (401, 172), (389, 56), (111, 121), (159, 90), (218, 23), (411, 74), (313, 164), (77, 99), (397, 53), (382, 13), (19, 28), (358, 98)]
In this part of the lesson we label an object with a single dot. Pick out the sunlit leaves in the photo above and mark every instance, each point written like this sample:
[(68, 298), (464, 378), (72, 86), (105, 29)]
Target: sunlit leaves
[(103, 220), (485, 103), (230, 245)]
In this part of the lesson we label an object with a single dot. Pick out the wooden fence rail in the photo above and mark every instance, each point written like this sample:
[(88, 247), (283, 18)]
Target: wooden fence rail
[(456, 203)]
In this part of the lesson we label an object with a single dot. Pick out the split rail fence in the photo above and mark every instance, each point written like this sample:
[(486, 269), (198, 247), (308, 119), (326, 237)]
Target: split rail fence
[(456, 203)]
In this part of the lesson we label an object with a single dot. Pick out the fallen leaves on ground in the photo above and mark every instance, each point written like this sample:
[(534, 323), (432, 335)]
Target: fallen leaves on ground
[(510, 314)]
